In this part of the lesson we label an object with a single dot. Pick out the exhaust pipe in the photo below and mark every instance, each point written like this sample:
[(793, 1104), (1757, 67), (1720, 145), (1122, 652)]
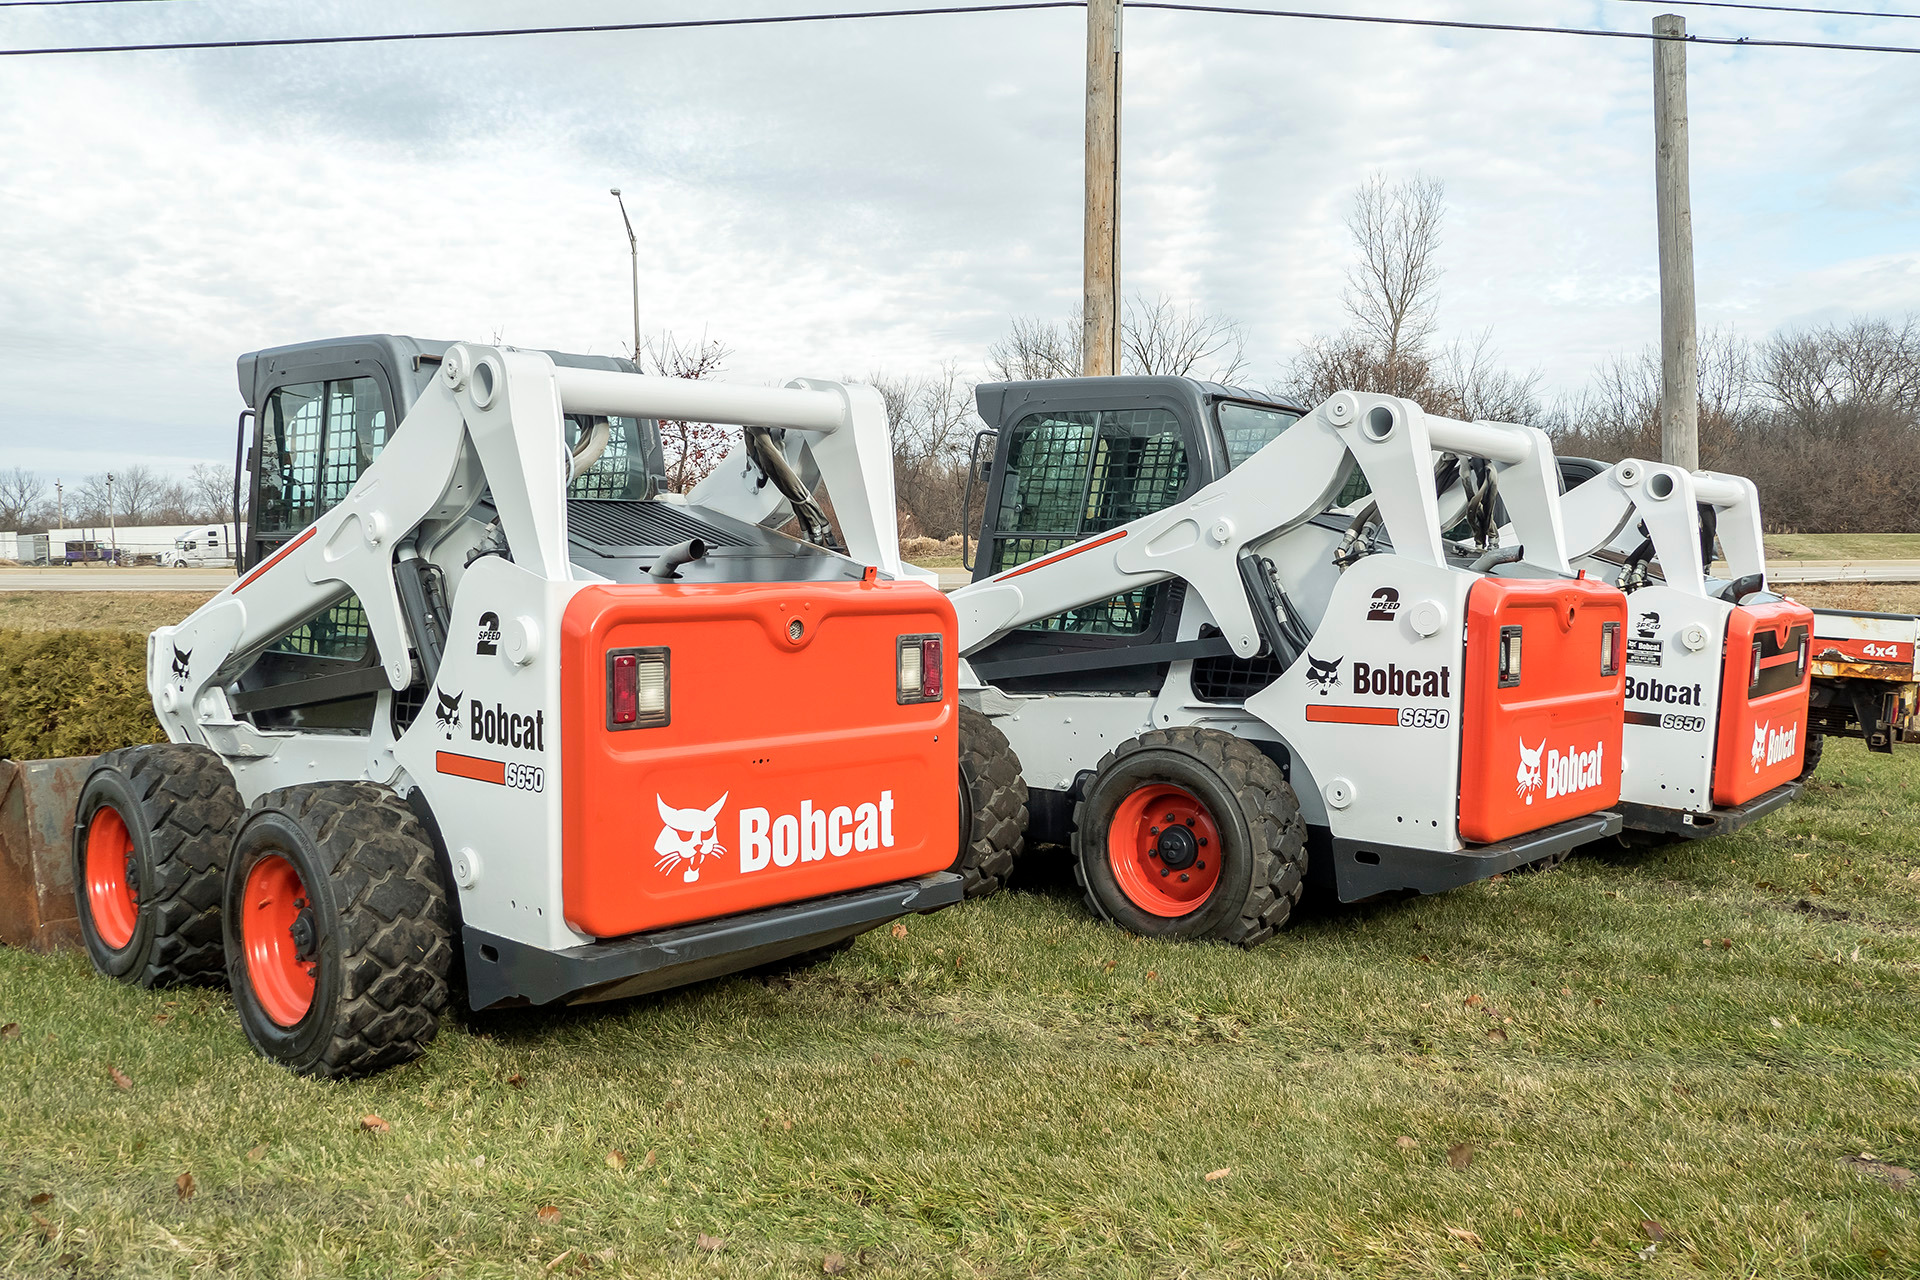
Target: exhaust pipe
[(666, 568)]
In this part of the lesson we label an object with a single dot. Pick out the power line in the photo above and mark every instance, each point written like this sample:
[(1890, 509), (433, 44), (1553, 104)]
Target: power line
[(282, 42), (61, 4), (1772, 8), (1743, 42)]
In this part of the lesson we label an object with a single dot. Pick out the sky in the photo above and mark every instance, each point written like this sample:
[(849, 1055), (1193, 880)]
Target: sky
[(883, 196)]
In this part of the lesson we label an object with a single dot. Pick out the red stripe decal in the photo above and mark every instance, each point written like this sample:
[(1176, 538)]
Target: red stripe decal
[(274, 559), (1352, 715), (474, 767), (1058, 556)]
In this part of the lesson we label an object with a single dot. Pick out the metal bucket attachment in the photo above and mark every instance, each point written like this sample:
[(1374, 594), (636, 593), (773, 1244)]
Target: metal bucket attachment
[(36, 851)]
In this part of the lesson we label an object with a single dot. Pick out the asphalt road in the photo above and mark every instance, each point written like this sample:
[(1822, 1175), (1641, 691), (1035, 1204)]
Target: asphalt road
[(103, 578)]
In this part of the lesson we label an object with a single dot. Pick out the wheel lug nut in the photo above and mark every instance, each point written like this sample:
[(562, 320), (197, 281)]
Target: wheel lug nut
[(1153, 831), (1203, 842), (1163, 874), (1189, 821), (1201, 866), (1171, 818), (1183, 877)]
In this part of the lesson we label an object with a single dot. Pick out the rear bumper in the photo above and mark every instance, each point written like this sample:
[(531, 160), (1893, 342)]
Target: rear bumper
[(1714, 822), (504, 972), (1364, 870)]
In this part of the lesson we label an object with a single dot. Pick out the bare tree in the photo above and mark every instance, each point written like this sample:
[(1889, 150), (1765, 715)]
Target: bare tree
[(1036, 349), (1158, 337), (693, 449), (23, 499), (210, 492), (1393, 289), (933, 422), (1470, 383)]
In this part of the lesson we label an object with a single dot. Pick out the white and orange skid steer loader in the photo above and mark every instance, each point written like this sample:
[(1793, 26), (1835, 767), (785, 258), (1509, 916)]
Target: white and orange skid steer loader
[(484, 702), (1717, 668), (1228, 645)]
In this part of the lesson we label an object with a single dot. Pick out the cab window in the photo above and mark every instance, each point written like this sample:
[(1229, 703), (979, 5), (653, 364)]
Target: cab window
[(1071, 475), (315, 440)]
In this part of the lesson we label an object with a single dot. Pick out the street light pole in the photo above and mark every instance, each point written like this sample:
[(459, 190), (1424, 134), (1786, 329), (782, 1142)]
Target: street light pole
[(633, 244), (113, 525)]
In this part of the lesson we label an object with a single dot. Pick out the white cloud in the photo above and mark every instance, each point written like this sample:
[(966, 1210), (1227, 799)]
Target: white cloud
[(880, 195)]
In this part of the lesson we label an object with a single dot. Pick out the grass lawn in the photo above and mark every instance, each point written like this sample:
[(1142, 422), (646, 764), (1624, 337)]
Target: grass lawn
[(96, 610), (1842, 546), (1697, 1060)]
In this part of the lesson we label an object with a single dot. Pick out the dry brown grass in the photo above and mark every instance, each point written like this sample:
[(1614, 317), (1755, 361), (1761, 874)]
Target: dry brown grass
[(96, 610), (1875, 597)]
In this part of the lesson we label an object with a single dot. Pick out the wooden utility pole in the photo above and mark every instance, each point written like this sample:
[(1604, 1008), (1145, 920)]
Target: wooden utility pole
[(1100, 335), (1679, 333)]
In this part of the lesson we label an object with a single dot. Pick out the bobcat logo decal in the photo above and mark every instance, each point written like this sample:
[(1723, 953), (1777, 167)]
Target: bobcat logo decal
[(688, 838), (1528, 776), (447, 714), (1324, 676), (181, 659), (1759, 746)]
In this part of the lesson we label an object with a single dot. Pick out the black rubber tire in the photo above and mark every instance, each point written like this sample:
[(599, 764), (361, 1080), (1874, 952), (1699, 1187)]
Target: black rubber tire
[(382, 925), (1816, 745), (993, 806), (1264, 862), (181, 809)]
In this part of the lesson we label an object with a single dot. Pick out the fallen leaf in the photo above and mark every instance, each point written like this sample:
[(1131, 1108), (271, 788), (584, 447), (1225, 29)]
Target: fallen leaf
[(120, 1077), (834, 1264), (1406, 1143), (616, 1159), (1498, 1033), (10, 1032), (547, 1215), (45, 1227), (1654, 1231), (374, 1124), (714, 1244), (1726, 944), (1151, 975), (786, 1124), (1461, 1233), (1566, 991), (183, 1186), (258, 1153), (1598, 1001), (899, 931), (161, 1019), (648, 1162), (517, 1081), (1892, 1174), (1218, 1174), (559, 1258), (1473, 1001), (1460, 1154), (44, 1198)]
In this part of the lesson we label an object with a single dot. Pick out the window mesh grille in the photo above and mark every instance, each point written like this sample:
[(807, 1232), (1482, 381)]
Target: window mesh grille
[(339, 632)]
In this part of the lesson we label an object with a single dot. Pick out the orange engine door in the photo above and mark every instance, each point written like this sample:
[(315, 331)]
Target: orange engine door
[(1540, 744), (789, 766), (1764, 685)]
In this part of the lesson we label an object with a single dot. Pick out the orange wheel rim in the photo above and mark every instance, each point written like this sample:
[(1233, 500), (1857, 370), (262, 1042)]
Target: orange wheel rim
[(110, 878), (278, 937), (1164, 848)]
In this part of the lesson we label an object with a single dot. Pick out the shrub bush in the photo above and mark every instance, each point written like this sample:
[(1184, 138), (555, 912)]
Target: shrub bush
[(73, 693)]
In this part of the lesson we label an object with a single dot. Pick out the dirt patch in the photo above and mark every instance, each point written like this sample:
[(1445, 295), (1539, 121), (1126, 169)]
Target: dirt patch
[(1873, 597)]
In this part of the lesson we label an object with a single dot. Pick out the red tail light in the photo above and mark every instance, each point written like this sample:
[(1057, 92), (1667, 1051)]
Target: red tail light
[(623, 705), (919, 669)]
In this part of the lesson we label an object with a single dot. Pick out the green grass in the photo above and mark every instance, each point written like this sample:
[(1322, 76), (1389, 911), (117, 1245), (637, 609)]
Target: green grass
[(1706, 1037), (1843, 546)]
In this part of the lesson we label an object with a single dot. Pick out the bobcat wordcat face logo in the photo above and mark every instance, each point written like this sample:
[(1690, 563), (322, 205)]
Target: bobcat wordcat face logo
[(182, 658), (447, 714), (1324, 676), (1771, 746), (1528, 776), (688, 838)]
